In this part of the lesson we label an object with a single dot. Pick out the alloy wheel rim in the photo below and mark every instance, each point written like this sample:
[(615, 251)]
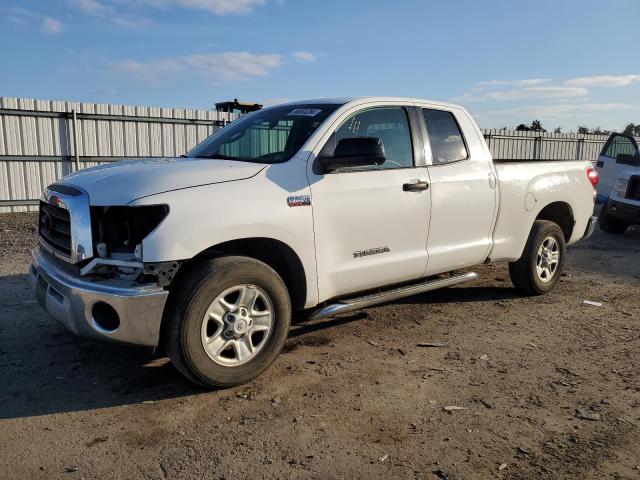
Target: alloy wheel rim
[(237, 325), (548, 259)]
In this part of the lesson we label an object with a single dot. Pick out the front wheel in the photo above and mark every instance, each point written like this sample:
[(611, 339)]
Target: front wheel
[(227, 321), (538, 269)]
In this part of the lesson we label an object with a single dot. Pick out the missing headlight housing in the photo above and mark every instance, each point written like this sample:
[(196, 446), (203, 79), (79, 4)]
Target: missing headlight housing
[(122, 228)]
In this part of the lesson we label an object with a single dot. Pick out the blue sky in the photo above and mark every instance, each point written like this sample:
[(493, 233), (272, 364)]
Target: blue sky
[(566, 62)]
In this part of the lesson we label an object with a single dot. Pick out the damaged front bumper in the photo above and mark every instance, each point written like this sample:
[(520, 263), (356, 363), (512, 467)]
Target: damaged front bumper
[(113, 310)]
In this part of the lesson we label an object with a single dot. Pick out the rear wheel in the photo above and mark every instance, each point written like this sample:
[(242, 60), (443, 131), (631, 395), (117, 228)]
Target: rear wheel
[(538, 269), (227, 321), (611, 224)]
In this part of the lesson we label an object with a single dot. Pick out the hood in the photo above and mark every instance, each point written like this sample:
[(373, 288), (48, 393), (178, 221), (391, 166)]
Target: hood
[(122, 182)]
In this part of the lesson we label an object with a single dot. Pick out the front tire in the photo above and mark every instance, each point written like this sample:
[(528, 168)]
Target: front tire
[(227, 321), (538, 269), (611, 224)]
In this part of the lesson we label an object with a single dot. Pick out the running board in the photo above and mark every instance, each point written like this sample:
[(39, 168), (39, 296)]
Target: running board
[(349, 305)]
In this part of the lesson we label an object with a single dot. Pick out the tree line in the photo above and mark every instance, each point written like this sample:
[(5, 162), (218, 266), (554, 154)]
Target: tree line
[(536, 126)]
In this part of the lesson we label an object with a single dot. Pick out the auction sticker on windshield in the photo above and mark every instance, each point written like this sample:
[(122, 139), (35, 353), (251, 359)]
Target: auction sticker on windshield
[(304, 112)]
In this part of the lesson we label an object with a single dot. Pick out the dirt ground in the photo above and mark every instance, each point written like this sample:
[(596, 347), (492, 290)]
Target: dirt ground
[(549, 386)]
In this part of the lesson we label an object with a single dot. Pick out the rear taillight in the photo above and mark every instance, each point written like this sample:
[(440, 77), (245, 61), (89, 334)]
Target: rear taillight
[(593, 176)]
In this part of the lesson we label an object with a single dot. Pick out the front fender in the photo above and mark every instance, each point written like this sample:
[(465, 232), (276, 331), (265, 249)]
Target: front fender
[(204, 216)]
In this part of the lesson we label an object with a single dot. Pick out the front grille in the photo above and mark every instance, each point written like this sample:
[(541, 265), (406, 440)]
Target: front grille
[(633, 190), (54, 228)]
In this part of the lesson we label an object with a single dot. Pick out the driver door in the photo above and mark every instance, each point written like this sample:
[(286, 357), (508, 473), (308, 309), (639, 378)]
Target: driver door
[(371, 223), (619, 154)]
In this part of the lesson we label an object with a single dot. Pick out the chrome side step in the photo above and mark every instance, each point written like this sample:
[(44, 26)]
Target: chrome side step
[(349, 305)]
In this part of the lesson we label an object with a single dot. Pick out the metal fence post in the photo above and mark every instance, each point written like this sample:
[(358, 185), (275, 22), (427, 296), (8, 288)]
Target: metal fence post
[(537, 144), (579, 148), (74, 119)]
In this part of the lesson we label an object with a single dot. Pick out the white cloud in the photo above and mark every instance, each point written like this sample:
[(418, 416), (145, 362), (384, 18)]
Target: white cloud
[(468, 97), (561, 110), (214, 67), (603, 81), (528, 82), (154, 71), (605, 107), (92, 7), (220, 7), (109, 12), (539, 92), (217, 7), (51, 25), (233, 65), (303, 56), (28, 19)]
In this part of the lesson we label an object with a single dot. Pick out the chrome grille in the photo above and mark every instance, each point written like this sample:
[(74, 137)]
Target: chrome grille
[(54, 228)]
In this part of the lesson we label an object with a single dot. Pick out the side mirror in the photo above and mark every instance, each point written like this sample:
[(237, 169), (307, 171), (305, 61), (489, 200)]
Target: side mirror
[(627, 159), (355, 152)]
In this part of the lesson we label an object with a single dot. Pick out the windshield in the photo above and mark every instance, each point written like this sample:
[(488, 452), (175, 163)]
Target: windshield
[(271, 135)]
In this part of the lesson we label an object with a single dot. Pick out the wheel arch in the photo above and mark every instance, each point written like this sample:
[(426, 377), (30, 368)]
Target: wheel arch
[(275, 253), (560, 213)]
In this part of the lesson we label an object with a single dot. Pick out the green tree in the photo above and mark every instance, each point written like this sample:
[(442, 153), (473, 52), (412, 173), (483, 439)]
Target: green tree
[(557, 130), (632, 129), (536, 126), (584, 130), (522, 128)]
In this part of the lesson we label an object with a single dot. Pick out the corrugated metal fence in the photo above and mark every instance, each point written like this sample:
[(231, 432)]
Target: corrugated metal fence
[(543, 145), (42, 140)]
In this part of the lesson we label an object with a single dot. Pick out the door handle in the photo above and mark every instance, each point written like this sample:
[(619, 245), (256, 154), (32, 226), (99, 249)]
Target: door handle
[(415, 185)]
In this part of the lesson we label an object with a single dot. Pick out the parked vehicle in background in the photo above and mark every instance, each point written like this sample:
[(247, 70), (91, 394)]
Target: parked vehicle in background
[(326, 205), (619, 187)]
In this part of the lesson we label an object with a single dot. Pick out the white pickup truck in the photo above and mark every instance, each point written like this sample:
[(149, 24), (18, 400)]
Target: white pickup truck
[(619, 189), (326, 206)]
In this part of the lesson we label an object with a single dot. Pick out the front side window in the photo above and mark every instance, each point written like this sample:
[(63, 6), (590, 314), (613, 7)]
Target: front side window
[(447, 143), (619, 144), (389, 124), (272, 135)]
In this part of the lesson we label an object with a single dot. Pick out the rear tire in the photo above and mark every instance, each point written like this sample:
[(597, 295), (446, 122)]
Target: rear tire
[(611, 224), (226, 321), (538, 269)]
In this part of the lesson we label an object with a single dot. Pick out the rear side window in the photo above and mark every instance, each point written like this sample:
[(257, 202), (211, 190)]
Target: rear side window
[(447, 143), (619, 144)]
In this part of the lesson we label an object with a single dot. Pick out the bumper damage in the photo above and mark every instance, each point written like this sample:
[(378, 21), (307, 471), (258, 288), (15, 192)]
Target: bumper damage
[(112, 310)]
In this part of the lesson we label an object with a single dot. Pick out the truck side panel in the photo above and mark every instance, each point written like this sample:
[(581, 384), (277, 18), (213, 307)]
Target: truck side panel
[(526, 188)]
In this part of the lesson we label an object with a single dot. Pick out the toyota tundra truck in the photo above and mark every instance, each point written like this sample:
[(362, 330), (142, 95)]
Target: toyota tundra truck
[(322, 206)]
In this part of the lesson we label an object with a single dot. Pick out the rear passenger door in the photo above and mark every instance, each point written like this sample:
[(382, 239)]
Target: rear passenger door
[(463, 191)]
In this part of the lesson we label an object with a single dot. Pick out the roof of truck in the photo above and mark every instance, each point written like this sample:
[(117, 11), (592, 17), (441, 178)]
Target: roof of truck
[(361, 100)]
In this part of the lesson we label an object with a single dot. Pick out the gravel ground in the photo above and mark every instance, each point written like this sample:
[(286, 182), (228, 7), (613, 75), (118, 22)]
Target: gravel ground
[(548, 387)]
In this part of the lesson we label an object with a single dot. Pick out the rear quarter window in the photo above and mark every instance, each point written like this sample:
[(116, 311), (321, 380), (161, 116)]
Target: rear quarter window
[(447, 142)]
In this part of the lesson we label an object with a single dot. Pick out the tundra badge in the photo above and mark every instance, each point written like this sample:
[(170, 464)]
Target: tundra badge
[(299, 200), (370, 251)]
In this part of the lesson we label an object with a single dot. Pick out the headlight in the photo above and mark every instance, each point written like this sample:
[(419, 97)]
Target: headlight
[(621, 187), (121, 229)]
